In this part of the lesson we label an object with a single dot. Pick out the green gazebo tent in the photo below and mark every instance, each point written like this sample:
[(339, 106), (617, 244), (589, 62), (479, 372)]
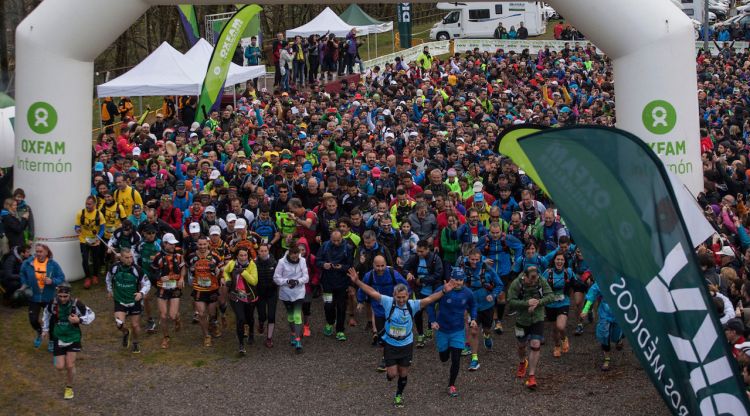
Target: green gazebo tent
[(355, 16)]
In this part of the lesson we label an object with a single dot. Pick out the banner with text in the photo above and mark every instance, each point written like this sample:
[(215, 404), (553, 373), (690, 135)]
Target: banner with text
[(403, 12)]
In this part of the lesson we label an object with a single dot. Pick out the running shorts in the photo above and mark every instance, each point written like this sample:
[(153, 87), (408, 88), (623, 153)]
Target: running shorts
[(134, 309), (400, 356)]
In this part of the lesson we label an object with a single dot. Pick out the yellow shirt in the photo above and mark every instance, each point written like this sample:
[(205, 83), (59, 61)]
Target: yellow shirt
[(127, 198), (89, 225), (113, 217), (40, 272)]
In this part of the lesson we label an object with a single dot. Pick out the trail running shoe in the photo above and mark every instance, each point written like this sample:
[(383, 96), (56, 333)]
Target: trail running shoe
[(269, 343), (165, 343), (556, 352), (531, 383), (242, 350), (87, 283), (488, 343), (565, 345), (579, 329), (420, 341), (298, 346), (306, 330), (620, 344), (261, 327), (466, 351), (605, 365), (94, 280), (522, 366), (68, 394), (207, 341), (452, 392), (381, 366), (340, 336), (328, 330), (195, 318), (499, 328), (126, 340), (513, 313), (474, 365), (136, 348), (428, 334), (151, 326), (37, 341), (398, 401)]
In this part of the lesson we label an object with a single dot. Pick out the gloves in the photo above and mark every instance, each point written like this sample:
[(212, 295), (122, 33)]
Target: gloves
[(291, 283)]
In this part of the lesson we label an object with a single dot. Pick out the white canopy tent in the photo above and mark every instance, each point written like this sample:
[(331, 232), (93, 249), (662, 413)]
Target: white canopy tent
[(200, 54), (326, 22)]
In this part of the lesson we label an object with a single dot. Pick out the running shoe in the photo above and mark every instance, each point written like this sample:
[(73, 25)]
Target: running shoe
[(466, 351), (375, 339), (452, 392), (353, 322), (37, 341), (68, 395), (306, 330), (269, 343), (428, 334), (381, 366), (86, 285), (51, 346), (557, 352), (151, 326), (207, 341), (398, 401), (261, 326), (126, 339), (605, 365), (340, 336), (579, 329), (136, 348), (165, 343), (242, 350), (195, 318), (620, 344), (217, 331), (488, 342), (420, 341), (565, 345), (328, 330), (177, 325), (499, 328), (94, 280), (298, 346), (530, 383), (474, 365), (522, 366)]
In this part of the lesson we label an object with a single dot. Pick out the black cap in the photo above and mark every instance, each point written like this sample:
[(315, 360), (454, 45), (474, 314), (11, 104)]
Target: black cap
[(736, 325)]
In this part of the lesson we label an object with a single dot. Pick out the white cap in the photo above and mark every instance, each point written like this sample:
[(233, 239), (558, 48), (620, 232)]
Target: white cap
[(210, 208), (194, 227), (193, 134), (478, 187), (136, 151), (725, 251), (389, 135), (240, 224), (214, 175), (413, 134), (169, 238), (231, 217), (214, 230), (518, 121), (195, 126), (386, 112)]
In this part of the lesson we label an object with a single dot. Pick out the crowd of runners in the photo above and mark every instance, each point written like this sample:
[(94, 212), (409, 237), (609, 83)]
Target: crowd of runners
[(386, 201)]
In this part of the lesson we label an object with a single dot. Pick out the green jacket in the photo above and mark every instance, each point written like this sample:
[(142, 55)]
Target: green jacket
[(450, 245), (518, 300)]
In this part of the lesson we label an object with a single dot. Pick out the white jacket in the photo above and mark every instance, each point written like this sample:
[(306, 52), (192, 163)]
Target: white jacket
[(286, 271)]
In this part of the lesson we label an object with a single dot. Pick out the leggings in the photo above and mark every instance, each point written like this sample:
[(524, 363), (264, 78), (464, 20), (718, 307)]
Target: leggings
[(244, 313), (314, 64), (294, 316), (35, 308), (267, 297), (94, 254), (455, 356), (334, 304)]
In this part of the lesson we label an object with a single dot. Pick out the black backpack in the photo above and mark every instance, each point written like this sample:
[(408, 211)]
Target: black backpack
[(97, 218), (390, 314)]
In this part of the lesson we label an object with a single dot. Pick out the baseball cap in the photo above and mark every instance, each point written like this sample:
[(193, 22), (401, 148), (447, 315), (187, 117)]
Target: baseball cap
[(195, 126), (231, 217), (214, 230), (194, 227), (478, 187), (375, 172), (214, 174), (210, 208), (169, 238), (725, 251), (458, 273), (479, 197), (306, 167), (240, 224), (98, 166)]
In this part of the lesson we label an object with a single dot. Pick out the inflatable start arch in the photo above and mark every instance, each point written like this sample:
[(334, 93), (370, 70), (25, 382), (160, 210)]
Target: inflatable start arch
[(651, 43)]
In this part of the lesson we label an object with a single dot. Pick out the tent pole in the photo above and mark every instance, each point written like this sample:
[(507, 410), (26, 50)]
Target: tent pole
[(393, 36), (99, 102), (140, 105), (234, 95), (376, 46), (368, 47)]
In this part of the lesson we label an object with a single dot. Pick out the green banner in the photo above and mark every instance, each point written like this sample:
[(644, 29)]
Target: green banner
[(218, 66), (189, 22), (403, 11), (616, 197), (507, 144)]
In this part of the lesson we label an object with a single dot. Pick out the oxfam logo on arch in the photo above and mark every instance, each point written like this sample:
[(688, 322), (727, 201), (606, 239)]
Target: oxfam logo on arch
[(42, 117), (659, 117)]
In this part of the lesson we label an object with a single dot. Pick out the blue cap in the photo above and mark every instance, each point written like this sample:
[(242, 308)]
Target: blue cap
[(302, 135), (306, 167), (478, 197), (565, 110), (458, 273), (188, 160), (98, 166)]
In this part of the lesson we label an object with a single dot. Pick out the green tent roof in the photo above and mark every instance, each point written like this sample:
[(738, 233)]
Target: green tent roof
[(355, 16), (6, 101)]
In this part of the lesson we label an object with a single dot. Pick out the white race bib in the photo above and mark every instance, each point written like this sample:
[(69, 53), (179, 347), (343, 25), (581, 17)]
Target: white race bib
[(327, 297), (169, 284), (520, 333), (204, 282)]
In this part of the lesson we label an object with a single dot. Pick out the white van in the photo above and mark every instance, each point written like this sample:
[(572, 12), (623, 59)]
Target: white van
[(479, 20)]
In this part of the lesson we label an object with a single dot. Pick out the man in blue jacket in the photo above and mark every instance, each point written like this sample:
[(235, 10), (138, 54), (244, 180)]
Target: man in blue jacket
[(334, 259), (473, 230), (486, 286), (383, 279), (42, 275), (500, 251), (449, 322)]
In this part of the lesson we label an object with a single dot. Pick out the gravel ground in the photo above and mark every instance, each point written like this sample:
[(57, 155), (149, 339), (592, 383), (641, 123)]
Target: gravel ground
[(331, 377)]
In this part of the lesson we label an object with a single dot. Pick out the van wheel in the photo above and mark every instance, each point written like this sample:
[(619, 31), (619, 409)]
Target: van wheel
[(443, 36)]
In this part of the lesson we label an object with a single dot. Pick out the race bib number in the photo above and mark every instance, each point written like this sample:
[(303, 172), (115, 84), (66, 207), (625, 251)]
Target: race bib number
[(474, 238), (169, 284), (264, 240), (327, 297), (520, 333), (204, 282), (559, 297), (397, 331)]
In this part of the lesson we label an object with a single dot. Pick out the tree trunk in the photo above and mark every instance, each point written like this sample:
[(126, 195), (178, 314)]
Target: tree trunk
[(4, 66)]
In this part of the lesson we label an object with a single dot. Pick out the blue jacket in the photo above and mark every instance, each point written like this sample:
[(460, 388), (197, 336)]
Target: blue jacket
[(510, 207), (383, 284), (474, 282), (464, 232), (330, 253), (605, 313), (28, 278), (556, 280), (523, 262), (434, 276), (451, 309), (500, 253)]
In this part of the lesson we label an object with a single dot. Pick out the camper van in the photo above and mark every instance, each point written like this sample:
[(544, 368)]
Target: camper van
[(479, 20)]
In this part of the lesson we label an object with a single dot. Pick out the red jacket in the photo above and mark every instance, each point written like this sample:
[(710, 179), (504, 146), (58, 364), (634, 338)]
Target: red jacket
[(173, 217)]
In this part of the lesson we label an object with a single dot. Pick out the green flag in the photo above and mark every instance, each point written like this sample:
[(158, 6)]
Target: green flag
[(218, 66), (507, 144), (403, 12), (189, 22), (617, 199)]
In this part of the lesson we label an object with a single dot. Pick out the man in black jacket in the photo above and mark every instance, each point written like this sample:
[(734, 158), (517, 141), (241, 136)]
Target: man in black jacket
[(522, 32), (11, 269)]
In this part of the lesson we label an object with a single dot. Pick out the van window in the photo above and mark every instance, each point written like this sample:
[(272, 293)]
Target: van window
[(498, 9), (479, 14), (688, 12), (452, 17), (687, 1)]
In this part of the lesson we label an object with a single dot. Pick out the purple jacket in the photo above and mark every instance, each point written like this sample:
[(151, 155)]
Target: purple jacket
[(352, 44)]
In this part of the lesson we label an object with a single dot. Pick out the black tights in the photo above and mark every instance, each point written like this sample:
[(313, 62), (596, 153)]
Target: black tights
[(244, 313), (267, 297), (455, 355), (35, 308), (336, 309)]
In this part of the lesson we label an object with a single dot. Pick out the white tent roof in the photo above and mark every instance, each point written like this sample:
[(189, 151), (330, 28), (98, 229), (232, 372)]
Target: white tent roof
[(371, 29), (168, 72), (201, 53), (164, 72), (326, 22)]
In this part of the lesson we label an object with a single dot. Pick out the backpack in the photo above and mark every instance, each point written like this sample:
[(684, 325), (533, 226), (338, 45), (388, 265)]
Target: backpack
[(503, 243), (489, 286), (387, 270), (551, 278), (538, 289), (390, 314), (97, 218)]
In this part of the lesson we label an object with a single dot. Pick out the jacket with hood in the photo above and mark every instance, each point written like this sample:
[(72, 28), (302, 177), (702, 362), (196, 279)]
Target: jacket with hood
[(286, 271), (28, 278), (11, 271), (331, 253), (14, 226), (312, 269)]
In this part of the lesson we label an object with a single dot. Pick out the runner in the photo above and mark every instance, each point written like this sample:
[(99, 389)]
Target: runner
[(501, 251), (449, 324), (560, 278), (398, 335), (425, 272), (608, 331), (203, 267), (42, 274), (127, 284), (147, 250), (528, 294), (241, 278), (291, 275), (61, 324), (268, 292), (171, 270), (334, 258), (486, 286), (90, 229)]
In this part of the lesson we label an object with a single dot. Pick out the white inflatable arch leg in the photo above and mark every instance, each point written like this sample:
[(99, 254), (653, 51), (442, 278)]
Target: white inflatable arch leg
[(650, 41)]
